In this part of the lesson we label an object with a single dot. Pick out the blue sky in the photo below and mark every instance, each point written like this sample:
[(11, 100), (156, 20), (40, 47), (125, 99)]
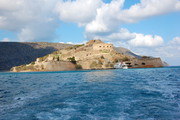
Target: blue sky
[(147, 27)]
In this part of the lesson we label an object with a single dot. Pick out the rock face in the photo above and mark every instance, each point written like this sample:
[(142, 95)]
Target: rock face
[(127, 52), (95, 54)]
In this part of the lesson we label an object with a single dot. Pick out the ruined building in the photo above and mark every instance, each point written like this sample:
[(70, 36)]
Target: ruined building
[(99, 45)]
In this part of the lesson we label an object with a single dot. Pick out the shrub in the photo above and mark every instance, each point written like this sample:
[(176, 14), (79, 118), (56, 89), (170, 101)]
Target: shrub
[(56, 57), (72, 59), (102, 57)]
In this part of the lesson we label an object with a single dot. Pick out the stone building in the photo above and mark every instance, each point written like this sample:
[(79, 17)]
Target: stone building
[(102, 46), (99, 45)]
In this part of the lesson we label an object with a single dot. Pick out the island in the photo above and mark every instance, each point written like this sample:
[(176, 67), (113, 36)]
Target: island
[(95, 54)]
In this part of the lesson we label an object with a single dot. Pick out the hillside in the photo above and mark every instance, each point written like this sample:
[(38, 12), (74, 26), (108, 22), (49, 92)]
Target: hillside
[(126, 51), (95, 54), (19, 53)]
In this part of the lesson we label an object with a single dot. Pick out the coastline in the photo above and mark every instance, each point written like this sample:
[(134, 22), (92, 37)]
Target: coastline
[(91, 69)]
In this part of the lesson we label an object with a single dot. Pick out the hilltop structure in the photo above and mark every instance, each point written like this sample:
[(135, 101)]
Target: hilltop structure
[(99, 45), (95, 54)]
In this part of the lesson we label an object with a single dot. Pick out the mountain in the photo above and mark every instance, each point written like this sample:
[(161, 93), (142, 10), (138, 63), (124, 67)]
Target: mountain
[(95, 54), (126, 51), (19, 53)]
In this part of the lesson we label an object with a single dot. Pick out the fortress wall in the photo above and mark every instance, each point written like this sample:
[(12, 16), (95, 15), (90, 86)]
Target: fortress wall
[(156, 62), (103, 46)]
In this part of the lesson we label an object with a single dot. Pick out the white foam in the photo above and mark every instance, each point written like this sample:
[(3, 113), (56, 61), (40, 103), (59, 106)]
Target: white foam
[(64, 110), (51, 116)]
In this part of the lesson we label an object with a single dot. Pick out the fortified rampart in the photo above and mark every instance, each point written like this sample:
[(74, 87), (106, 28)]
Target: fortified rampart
[(146, 62)]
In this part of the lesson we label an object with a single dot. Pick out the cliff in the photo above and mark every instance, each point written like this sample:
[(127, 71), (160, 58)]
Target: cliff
[(95, 54)]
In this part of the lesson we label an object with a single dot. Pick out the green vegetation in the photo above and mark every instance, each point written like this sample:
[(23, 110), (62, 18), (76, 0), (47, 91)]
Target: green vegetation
[(116, 60), (56, 57), (72, 59), (102, 57)]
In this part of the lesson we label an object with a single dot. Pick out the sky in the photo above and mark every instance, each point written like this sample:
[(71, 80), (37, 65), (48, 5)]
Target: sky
[(146, 27)]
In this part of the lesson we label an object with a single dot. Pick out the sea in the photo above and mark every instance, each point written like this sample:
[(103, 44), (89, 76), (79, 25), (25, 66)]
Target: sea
[(119, 94)]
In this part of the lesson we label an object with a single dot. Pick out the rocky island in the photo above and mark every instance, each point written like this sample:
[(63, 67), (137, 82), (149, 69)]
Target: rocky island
[(95, 54)]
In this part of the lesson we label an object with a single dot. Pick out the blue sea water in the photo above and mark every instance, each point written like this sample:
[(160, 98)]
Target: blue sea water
[(132, 94)]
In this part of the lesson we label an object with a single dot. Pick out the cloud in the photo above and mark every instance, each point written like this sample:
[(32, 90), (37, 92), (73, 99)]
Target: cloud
[(124, 37), (148, 8), (37, 20), (30, 20), (175, 41), (167, 51), (78, 11), (106, 18), (5, 40), (110, 16), (146, 40)]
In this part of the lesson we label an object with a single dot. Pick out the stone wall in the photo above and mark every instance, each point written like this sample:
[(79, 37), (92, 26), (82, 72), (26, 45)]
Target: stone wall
[(59, 66), (102, 46), (145, 62)]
